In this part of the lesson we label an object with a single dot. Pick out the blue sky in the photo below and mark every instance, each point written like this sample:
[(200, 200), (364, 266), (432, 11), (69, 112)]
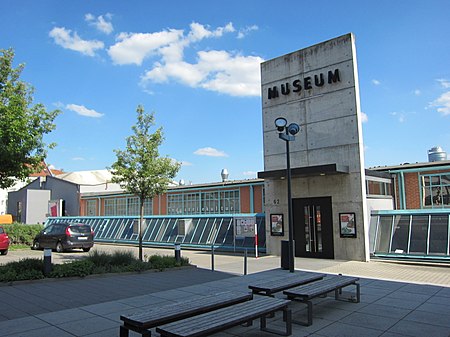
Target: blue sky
[(196, 65)]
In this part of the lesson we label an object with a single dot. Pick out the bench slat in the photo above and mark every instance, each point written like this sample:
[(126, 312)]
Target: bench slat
[(169, 312), (224, 318), (320, 287), (278, 284)]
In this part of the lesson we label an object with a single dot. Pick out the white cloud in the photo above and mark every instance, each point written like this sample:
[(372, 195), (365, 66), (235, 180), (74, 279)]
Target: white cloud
[(78, 159), (444, 83), (102, 23), (83, 111), (245, 31), (199, 32), (364, 117), (186, 163), (376, 82), (210, 152), (68, 40), (442, 104), (250, 173), (214, 70), (417, 92), (133, 48), (401, 116)]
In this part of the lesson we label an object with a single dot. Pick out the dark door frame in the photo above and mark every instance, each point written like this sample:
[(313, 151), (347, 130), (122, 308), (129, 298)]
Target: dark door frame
[(327, 231)]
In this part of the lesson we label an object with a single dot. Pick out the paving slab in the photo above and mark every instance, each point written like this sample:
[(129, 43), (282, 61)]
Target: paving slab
[(390, 306)]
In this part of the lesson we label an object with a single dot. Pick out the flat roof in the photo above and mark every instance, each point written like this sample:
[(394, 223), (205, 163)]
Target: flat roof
[(407, 166), (306, 171)]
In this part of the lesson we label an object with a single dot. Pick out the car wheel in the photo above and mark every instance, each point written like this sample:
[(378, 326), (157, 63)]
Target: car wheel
[(4, 252), (35, 245), (59, 247), (86, 249)]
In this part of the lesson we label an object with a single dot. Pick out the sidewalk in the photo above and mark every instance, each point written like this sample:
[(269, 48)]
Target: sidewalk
[(92, 306)]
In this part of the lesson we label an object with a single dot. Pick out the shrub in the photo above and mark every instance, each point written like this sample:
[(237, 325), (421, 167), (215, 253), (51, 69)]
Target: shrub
[(95, 263), (26, 269), (79, 268), (22, 234)]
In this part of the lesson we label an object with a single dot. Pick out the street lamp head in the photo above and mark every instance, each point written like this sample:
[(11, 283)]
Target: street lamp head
[(293, 129), (280, 124)]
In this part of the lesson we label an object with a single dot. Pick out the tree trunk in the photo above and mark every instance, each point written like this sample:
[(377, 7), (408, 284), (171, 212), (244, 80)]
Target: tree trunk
[(141, 226)]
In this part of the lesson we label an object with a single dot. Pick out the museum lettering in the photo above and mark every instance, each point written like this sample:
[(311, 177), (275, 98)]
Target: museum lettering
[(306, 83)]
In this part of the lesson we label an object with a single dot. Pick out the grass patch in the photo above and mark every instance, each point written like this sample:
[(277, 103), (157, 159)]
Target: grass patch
[(95, 263)]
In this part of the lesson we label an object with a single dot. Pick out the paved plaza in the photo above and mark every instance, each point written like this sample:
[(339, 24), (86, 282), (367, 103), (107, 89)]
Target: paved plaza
[(396, 299)]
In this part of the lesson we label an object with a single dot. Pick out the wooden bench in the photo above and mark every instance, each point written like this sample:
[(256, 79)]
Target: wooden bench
[(280, 283), (222, 319), (144, 320), (307, 292)]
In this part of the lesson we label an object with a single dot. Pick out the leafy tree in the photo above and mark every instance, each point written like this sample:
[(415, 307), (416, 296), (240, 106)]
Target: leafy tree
[(22, 124), (139, 169)]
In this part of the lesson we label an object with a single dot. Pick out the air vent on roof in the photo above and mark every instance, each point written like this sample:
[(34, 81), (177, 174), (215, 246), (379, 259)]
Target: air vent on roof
[(436, 154)]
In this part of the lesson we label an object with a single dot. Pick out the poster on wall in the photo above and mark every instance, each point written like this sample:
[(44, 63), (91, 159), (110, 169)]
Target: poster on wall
[(276, 225), (245, 226), (347, 225)]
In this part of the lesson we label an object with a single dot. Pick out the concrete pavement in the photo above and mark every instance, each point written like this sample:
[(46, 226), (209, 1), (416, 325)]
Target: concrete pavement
[(396, 299)]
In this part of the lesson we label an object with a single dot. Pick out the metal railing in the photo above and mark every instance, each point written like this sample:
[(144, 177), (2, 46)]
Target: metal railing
[(192, 231), (418, 234)]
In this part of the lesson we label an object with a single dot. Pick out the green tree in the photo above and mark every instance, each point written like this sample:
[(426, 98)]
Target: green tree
[(139, 169), (22, 124)]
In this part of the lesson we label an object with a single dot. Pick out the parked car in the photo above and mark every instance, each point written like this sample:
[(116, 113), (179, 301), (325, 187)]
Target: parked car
[(64, 235), (4, 241)]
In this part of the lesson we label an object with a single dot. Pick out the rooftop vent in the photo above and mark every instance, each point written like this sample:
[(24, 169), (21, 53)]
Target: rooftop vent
[(224, 175), (436, 154)]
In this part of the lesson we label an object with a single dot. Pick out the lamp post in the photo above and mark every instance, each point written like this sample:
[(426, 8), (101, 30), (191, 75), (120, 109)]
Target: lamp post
[(287, 133)]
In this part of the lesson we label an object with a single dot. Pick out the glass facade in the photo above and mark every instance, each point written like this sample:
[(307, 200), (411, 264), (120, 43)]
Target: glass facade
[(125, 206), (435, 189), (414, 233), (204, 202)]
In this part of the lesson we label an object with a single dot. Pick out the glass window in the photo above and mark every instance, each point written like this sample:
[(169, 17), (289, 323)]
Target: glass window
[(378, 187), (121, 206), (383, 234), (400, 236), (419, 234), (435, 190), (91, 207), (110, 206), (439, 234)]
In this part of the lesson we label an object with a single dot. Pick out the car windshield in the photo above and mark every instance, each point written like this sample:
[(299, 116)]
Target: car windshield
[(81, 229)]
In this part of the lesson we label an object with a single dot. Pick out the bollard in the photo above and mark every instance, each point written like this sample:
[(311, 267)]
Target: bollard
[(212, 257), (178, 252), (245, 262), (47, 261)]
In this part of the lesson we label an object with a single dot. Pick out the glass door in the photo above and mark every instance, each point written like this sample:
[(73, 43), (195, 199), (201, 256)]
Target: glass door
[(313, 227)]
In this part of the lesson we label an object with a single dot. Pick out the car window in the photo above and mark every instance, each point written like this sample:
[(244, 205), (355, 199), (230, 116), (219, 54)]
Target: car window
[(48, 229), (80, 229)]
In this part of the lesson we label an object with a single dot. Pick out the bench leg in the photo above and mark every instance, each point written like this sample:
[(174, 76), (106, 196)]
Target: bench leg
[(338, 292), (123, 331), (309, 313), (287, 317)]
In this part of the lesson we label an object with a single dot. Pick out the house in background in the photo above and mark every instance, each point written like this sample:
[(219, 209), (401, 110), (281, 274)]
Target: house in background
[(46, 171)]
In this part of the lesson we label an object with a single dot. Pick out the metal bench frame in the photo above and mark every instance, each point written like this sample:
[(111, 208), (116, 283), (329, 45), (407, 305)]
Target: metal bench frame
[(306, 293)]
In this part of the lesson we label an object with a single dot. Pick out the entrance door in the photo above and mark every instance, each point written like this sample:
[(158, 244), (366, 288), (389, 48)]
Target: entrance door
[(313, 227)]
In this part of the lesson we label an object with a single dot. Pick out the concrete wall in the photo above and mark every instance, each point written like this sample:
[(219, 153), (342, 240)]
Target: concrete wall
[(330, 119)]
